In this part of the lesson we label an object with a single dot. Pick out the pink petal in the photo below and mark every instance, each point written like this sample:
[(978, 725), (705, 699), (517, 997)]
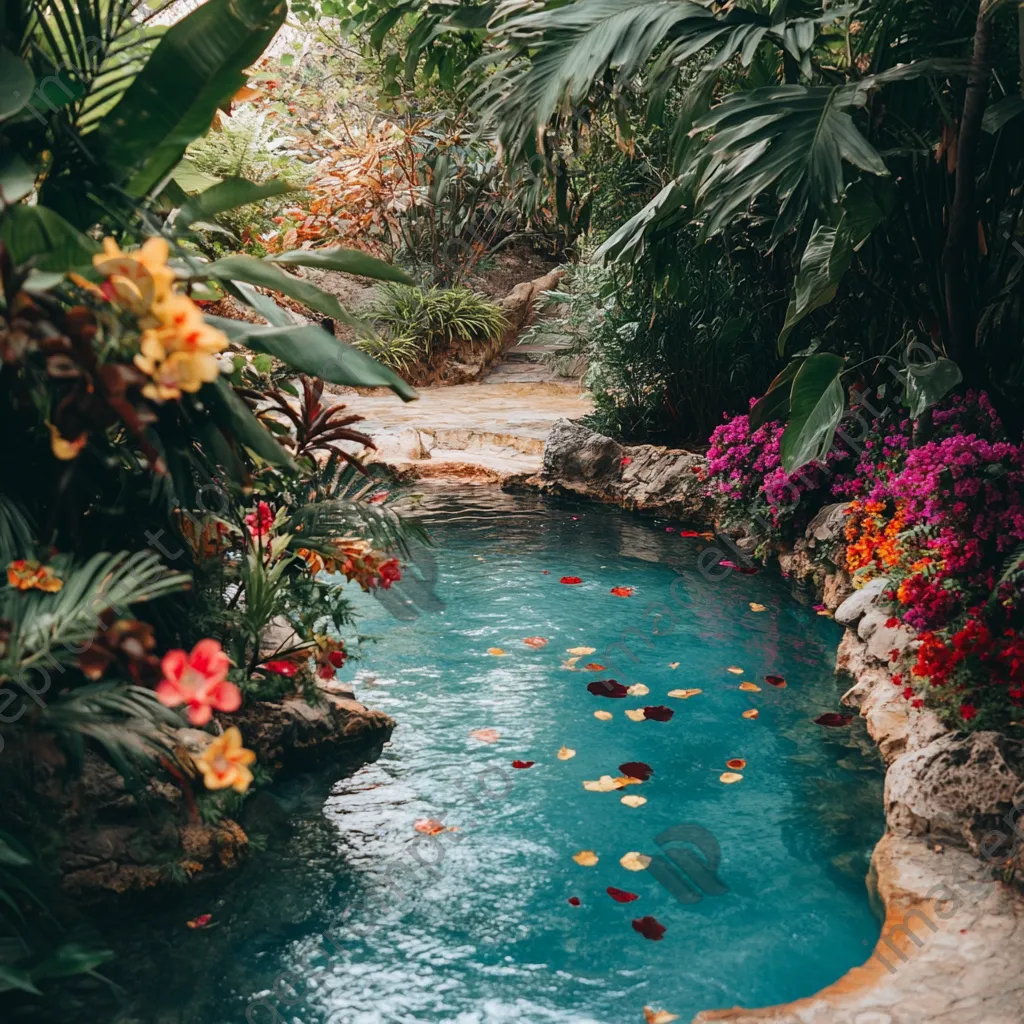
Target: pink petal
[(173, 665), (199, 714), (168, 693), (224, 696)]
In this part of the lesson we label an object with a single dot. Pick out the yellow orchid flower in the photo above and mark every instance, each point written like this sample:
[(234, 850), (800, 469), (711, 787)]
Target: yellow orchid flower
[(137, 280), (225, 762), (64, 449)]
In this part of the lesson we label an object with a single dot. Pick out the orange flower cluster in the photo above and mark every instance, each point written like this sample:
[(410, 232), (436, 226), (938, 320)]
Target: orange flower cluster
[(356, 560), (872, 539), (23, 574)]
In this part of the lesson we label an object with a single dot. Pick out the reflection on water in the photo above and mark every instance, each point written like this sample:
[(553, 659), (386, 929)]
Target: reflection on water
[(352, 917)]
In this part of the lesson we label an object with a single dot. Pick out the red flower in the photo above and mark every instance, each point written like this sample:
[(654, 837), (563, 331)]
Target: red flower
[(625, 461), (967, 711), (199, 680), (892, 622), (917, 703), (570, 580), (281, 667), (260, 521), (337, 658), (390, 572), (908, 693)]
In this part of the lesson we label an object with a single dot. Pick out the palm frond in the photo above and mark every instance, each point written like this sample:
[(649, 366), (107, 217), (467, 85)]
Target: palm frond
[(17, 534), (51, 628), (127, 723), (316, 525)]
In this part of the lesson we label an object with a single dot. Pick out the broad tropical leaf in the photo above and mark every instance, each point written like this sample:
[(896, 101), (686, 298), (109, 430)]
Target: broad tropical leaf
[(37, 233), (928, 384), (227, 195), (310, 349), (351, 261), (817, 403), (195, 68)]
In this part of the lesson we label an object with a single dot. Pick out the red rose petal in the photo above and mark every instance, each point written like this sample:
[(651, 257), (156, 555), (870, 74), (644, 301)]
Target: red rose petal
[(649, 928), (593, 666), (691, 533), (833, 720), (571, 580), (637, 770), (775, 681), (658, 713), (621, 896), (607, 688), (574, 901), (523, 764), (622, 591)]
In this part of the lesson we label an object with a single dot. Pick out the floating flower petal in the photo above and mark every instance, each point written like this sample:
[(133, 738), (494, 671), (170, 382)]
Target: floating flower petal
[(652, 1016), (633, 800), (485, 735), (735, 670), (496, 651), (634, 861), (748, 687), (579, 652), (523, 764), (593, 666), (574, 901), (684, 694), (607, 688), (585, 858), (755, 607), (776, 681), (638, 690), (833, 720), (565, 753), (635, 714), (535, 641), (658, 713), (650, 928), (729, 777), (570, 580), (621, 591), (751, 713), (637, 769), (603, 715), (737, 764), (620, 895)]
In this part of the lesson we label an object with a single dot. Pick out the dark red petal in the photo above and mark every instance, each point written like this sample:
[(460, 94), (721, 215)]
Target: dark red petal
[(775, 680), (523, 764), (658, 713), (649, 928), (570, 579), (622, 591), (833, 720), (574, 901), (691, 533), (621, 896), (637, 770), (607, 688)]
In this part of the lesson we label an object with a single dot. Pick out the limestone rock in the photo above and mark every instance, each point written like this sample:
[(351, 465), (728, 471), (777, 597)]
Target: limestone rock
[(886, 639), (858, 603), (838, 587), (829, 524), (292, 734), (575, 454), (958, 788), (643, 477), (872, 622)]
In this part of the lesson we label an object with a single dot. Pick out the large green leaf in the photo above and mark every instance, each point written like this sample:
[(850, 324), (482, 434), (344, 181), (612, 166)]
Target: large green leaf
[(35, 231), (774, 403), (816, 405), (236, 420), (266, 275), (16, 84), (828, 255), (310, 349), (227, 195), (17, 179), (928, 384), (351, 261), (195, 68)]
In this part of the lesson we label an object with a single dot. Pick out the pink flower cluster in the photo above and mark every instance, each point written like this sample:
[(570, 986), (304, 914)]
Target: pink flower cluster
[(969, 492)]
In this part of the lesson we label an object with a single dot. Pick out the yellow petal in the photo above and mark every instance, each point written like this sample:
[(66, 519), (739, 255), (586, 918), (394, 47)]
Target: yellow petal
[(634, 861), (603, 716), (571, 662), (496, 651), (627, 780), (605, 784), (750, 687), (684, 694), (826, 613), (580, 651), (673, 664), (755, 607), (565, 753), (635, 714), (585, 858), (751, 713), (734, 670), (632, 800), (659, 1016), (637, 690), (729, 777)]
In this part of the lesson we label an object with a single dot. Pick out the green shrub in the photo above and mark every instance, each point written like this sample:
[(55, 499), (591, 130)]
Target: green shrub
[(415, 324)]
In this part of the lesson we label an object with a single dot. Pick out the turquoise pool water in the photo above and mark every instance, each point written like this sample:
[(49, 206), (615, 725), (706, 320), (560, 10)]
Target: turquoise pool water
[(328, 927)]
